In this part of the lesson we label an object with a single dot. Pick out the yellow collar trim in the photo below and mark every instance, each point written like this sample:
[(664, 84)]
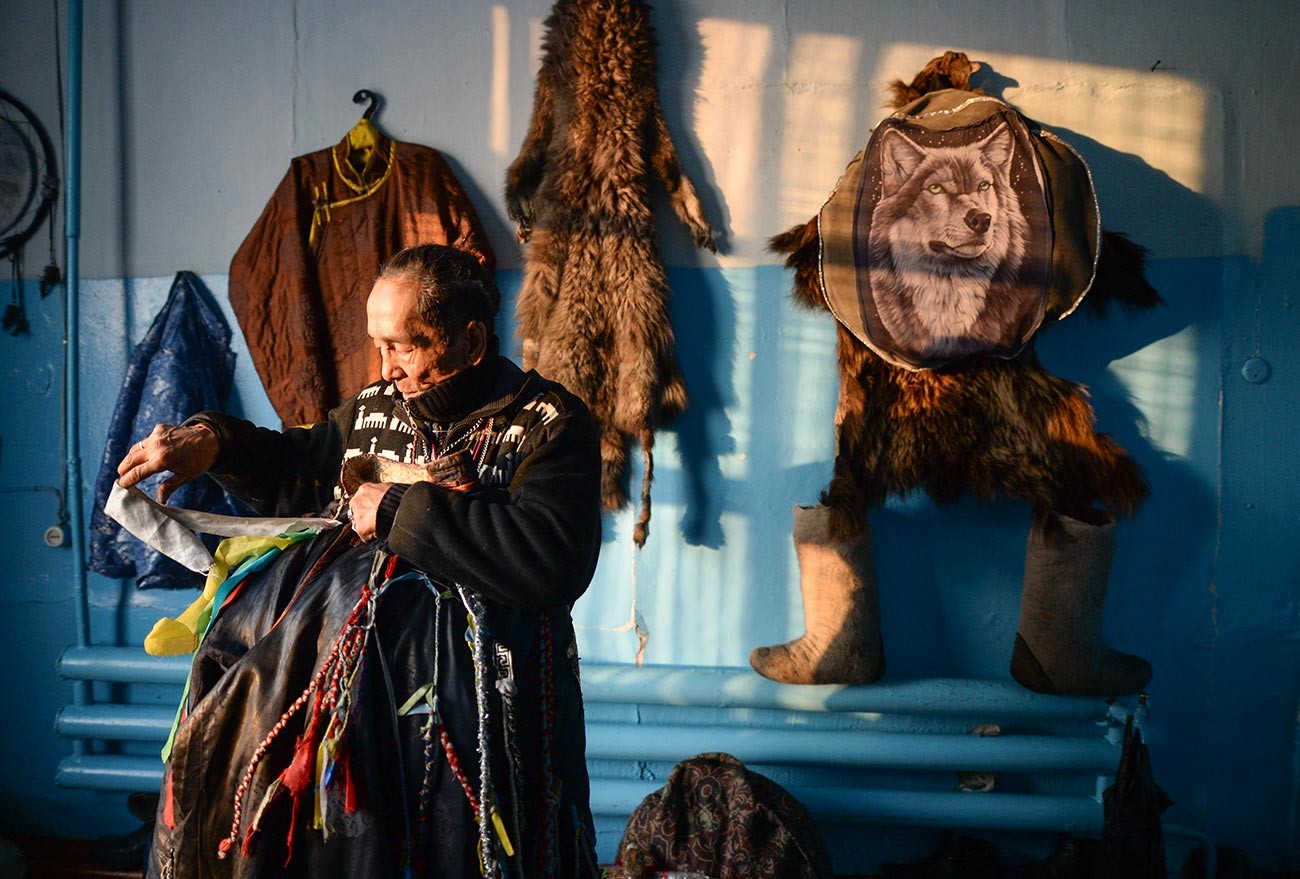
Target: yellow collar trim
[(363, 136)]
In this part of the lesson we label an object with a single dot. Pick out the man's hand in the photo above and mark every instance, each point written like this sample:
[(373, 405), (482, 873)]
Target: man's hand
[(364, 507), (188, 452)]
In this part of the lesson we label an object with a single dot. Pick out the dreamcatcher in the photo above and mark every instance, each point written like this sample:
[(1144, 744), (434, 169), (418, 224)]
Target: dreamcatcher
[(29, 184)]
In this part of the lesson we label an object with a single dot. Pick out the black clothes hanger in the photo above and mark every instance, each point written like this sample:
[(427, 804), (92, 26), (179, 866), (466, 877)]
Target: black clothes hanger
[(366, 95)]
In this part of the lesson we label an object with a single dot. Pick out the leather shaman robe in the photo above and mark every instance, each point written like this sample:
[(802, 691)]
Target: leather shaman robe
[(251, 792), (298, 283)]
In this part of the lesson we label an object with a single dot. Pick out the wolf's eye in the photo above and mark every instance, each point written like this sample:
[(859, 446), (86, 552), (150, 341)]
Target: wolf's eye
[(935, 188), (985, 186)]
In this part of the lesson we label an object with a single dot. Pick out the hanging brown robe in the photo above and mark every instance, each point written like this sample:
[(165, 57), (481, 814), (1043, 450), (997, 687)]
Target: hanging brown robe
[(298, 283)]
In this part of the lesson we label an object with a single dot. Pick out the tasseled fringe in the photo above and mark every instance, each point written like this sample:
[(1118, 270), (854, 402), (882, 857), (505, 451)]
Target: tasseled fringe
[(430, 694), (333, 690), (169, 804)]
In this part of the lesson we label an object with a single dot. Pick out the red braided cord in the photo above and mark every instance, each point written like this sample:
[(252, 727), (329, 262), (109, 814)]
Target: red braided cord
[(226, 844), (453, 760)]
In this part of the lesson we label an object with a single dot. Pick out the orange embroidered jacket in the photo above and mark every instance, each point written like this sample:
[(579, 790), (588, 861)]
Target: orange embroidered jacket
[(298, 283)]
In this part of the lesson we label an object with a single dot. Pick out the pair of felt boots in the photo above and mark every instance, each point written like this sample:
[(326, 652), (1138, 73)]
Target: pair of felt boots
[(1058, 647)]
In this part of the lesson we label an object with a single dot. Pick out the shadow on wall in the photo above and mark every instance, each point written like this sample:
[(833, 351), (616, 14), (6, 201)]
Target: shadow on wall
[(681, 54), (1252, 742), (498, 230), (700, 318)]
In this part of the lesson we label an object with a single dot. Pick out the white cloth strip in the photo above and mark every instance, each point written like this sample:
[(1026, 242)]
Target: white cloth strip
[(174, 531)]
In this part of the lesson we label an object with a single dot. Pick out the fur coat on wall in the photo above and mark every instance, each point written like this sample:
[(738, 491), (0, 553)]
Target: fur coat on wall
[(988, 426), (593, 309)]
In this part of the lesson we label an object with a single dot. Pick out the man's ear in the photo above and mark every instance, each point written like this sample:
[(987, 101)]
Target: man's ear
[(475, 342)]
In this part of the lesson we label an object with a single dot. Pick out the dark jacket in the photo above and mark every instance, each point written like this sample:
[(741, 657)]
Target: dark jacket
[(524, 545), (183, 363)]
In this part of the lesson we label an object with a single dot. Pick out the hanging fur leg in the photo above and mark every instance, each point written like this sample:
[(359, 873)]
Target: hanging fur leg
[(1058, 648), (841, 643), (642, 529), (613, 471)]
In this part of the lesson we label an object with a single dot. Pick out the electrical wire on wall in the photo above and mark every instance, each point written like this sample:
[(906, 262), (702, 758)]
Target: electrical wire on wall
[(29, 190)]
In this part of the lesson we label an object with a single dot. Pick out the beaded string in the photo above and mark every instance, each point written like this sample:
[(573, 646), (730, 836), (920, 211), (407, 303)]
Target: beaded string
[(340, 646), (426, 784), (328, 757), (508, 689), (223, 849), (481, 450), (463, 439), (551, 801), (436, 726), (489, 865), (426, 787)]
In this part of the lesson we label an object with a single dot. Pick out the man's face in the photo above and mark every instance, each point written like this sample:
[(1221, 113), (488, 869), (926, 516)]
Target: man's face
[(415, 356)]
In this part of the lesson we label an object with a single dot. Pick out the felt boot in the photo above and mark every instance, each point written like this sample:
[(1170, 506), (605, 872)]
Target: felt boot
[(841, 644), (1058, 648)]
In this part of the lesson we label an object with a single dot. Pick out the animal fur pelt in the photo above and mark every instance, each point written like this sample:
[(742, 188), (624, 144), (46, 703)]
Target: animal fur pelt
[(593, 309), (987, 426)]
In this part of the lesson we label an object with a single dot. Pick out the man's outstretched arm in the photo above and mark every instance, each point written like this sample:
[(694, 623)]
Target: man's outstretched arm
[(277, 473)]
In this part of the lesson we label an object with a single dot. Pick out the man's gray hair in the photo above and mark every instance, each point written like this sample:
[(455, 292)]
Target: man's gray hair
[(454, 288)]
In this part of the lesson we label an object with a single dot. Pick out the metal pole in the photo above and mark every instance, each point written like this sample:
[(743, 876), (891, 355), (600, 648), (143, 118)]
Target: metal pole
[(71, 342)]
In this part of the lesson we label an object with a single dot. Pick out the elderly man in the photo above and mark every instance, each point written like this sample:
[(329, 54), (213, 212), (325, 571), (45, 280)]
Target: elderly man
[(401, 693)]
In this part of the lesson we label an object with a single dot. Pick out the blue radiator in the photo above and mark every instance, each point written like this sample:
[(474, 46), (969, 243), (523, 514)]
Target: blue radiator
[(879, 754)]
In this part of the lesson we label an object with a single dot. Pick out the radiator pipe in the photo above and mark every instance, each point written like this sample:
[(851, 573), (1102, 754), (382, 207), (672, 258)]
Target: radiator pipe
[(696, 687), (122, 665), (742, 688), (856, 748), (866, 749), (618, 798), (972, 811)]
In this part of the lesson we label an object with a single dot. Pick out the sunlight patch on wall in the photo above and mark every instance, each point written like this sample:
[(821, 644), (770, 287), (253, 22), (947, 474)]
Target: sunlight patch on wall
[(1161, 381), (499, 107), (703, 586), (730, 126), (745, 298), (1160, 117), (606, 615), (821, 109), (810, 381)]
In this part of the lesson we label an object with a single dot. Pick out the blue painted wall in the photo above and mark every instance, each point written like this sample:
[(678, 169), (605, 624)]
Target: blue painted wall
[(1207, 579)]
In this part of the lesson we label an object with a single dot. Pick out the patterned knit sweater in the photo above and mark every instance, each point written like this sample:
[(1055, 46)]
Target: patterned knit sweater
[(527, 539)]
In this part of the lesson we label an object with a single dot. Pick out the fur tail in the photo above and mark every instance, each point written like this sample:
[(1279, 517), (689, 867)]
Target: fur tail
[(642, 529), (802, 248), (951, 70), (1121, 277), (613, 459)]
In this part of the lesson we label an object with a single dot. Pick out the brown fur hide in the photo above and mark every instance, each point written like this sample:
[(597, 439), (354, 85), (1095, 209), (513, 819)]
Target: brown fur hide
[(986, 426), (593, 309)]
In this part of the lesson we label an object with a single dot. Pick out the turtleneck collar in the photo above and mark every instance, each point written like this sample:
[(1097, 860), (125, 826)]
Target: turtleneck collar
[(452, 400)]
